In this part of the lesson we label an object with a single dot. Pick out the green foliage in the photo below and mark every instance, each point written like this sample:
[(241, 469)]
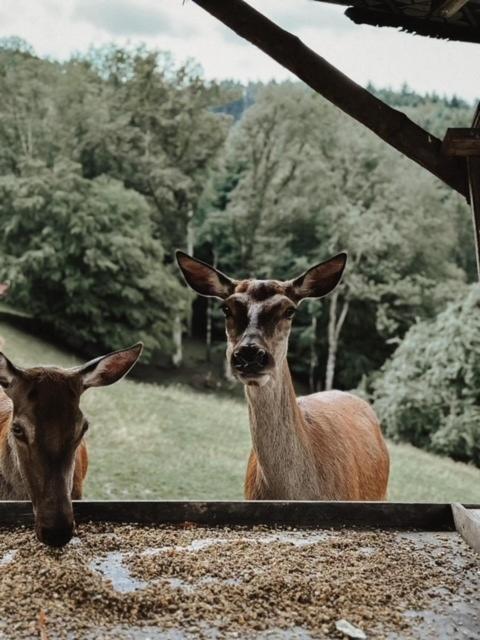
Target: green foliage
[(80, 255), (150, 124), (429, 392), (102, 162)]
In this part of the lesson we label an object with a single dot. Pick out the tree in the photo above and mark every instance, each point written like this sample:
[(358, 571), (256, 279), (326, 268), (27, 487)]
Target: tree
[(81, 257), (394, 222), (150, 124), (28, 118), (428, 393)]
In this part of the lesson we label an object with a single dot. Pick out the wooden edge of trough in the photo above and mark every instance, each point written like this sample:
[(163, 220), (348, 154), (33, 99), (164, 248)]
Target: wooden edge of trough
[(382, 515), (467, 523)]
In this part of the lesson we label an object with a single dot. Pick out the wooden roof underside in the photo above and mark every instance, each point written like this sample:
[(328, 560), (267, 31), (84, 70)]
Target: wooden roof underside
[(422, 17)]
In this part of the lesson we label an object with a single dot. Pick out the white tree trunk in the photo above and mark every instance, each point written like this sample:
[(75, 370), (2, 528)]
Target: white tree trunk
[(177, 340), (208, 337), (334, 329), (313, 354), (190, 249)]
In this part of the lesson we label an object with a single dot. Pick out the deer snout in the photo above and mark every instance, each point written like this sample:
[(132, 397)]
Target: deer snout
[(250, 358), (56, 528), (57, 536)]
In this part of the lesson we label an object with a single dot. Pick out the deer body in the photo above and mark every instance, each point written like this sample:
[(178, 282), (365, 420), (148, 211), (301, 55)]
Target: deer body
[(325, 446)]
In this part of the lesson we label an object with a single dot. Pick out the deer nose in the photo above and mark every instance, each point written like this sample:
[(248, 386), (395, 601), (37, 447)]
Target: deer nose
[(56, 537), (249, 357)]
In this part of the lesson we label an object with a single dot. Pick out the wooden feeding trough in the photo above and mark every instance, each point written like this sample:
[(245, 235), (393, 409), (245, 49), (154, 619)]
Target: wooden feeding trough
[(183, 570)]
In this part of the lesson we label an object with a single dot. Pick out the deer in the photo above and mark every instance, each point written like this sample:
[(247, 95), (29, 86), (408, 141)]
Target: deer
[(323, 446), (43, 453)]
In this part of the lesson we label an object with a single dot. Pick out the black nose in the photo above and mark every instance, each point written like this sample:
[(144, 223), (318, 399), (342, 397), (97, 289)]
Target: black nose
[(249, 358), (57, 537)]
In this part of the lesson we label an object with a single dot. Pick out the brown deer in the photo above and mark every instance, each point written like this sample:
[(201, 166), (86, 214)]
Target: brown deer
[(43, 454), (324, 446)]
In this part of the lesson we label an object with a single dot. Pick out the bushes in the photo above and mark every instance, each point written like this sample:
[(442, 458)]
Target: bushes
[(80, 255), (429, 391)]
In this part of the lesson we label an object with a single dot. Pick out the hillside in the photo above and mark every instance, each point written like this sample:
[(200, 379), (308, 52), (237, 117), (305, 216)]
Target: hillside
[(150, 441)]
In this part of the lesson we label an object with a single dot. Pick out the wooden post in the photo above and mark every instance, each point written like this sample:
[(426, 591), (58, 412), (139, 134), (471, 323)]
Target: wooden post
[(467, 523), (389, 124), (473, 165), (466, 143), (473, 168)]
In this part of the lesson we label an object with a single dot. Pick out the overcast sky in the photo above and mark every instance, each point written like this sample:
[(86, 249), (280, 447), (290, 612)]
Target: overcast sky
[(386, 57)]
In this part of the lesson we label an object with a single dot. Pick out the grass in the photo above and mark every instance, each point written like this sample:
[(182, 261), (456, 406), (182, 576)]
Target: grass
[(169, 442)]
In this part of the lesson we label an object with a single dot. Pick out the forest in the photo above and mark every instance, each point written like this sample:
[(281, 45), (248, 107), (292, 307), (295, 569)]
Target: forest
[(112, 160)]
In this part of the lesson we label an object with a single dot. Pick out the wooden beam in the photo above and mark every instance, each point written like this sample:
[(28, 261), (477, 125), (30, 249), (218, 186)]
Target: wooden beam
[(422, 26), (448, 8), (467, 523), (466, 143), (389, 124), (462, 142), (382, 515), (473, 171), (474, 183)]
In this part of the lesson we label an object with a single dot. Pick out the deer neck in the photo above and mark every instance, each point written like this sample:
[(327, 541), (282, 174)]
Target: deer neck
[(12, 485), (285, 462)]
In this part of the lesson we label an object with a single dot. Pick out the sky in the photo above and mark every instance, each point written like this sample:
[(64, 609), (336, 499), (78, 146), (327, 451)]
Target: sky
[(386, 57)]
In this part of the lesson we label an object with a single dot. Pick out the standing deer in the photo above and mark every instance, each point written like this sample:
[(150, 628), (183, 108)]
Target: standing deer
[(43, 456), (324, 446)]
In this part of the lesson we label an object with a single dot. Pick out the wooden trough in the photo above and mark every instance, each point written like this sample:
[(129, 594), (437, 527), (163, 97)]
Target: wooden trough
[(385, 570)]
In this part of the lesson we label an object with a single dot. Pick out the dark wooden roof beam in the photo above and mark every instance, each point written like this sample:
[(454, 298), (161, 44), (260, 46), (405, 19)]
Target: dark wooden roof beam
[(462, 142), (466, 143), (389, 124), (448, 8)]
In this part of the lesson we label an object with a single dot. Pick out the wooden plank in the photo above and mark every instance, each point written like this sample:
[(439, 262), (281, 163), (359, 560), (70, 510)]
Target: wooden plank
[(473, 168), (462, 142), (433, 28), (467, 523), (448, 8), (385, 515), (473, 173), (389, 124)]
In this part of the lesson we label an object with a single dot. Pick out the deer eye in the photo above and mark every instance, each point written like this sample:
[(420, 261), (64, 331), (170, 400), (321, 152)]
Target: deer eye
[(226, 310), (18, 431), (290, 312)]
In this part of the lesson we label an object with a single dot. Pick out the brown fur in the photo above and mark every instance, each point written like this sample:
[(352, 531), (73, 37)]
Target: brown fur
[(80, 472), (343, 435), (46, 401)]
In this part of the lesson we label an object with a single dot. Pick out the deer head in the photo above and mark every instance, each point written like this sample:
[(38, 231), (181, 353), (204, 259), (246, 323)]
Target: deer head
[(47, 427), (258, 313)]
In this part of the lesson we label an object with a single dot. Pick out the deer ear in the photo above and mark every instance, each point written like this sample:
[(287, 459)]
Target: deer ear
[(203, 278), (320, 279), (8, 371), (107, 369)]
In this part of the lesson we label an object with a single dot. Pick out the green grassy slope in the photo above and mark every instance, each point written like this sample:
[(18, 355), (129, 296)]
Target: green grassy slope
[(149, 441)]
